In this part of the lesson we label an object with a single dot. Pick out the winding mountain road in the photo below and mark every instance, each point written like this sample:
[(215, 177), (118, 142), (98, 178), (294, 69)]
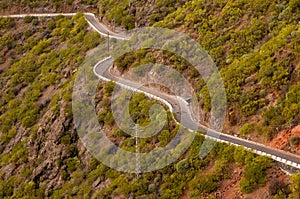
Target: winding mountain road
[(101, 69)]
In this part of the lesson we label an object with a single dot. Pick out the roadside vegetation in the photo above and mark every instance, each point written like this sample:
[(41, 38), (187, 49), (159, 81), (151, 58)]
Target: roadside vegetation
[(255, 45), (256, 53)]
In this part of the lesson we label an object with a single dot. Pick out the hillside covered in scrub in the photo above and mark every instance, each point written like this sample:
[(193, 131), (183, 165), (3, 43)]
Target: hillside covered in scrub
[(255, 45)]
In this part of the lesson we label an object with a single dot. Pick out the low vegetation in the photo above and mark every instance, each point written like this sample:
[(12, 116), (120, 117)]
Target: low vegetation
[(255, 45)]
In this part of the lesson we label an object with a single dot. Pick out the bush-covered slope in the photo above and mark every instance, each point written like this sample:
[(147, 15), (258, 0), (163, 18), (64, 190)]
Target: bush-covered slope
[(35, 6), (41, 155), (38, 62), (255, 45)]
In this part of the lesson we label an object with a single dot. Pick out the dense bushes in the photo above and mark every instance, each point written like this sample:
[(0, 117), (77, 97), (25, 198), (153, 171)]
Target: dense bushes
[(129, 13), (254, 173), (295, 188), (253, 51), (109, 88), (247, 128), (287, 110), (203, 184)]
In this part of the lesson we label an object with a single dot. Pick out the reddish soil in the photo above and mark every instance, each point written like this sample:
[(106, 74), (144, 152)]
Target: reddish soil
[(185, 194), (282, 140), (230, 188)]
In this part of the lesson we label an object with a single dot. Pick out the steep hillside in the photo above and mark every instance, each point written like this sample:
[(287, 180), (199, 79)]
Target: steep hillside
[(38, 61), (29, 6), (41, 155), (255, 45)]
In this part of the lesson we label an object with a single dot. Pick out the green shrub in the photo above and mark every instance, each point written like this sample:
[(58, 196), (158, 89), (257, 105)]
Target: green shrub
[(109, 118), (26, 172), (255, 174), (27, 33), (11, 134), (72, 164), (59, 163), (128, 22), (5, 22), (66, 139), (109, 88), (28, 19), (294, 140), (35, 21), (93, 163), (64, 175), (240, 155), (151, 188), (247, 129), (294, 186), (29, 120), (183, 166), (203, 184)]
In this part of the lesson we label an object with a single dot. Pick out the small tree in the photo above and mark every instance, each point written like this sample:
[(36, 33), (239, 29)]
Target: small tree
[(151, 188), (294, 140), (183, 166), (109, 88)]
